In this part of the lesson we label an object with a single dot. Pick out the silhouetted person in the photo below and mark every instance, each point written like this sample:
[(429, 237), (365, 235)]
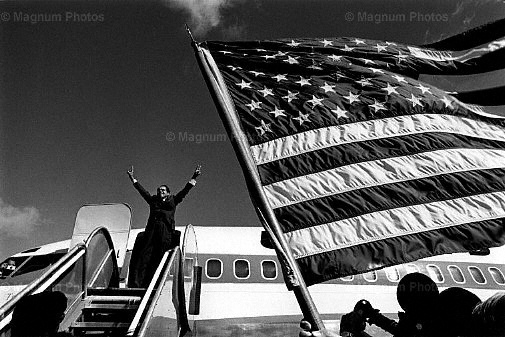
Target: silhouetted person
[(455, 313), (418, 296), (38, 315), (7, 268), (158, 236), (489, 316)]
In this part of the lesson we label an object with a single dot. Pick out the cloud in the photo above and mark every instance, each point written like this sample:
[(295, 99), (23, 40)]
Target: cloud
[(18, 221), (205, 14)]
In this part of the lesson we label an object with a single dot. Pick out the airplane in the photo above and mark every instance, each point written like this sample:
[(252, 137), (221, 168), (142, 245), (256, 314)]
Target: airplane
[(241, 287)]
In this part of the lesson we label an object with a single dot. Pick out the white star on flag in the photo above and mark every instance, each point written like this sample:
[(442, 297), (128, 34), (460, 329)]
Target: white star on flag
[(277, 112), (290, 96), (423, 88), (334, 57), (254, 105), (303, 81), (244, 84), (291, 60), (302, 118), (447, 102), (377, 106), (358, 41), (256, 73), (352, 98), (390, 89), (399, 78), (280, 77), (266, 92), (375, 70), (415, 101), (327, 43), (340, 112), (281, 53), (268, 57), (263, 128), (326, 87), (347, 48), (364, 81), (401, 57), (315, 101), (367, 61), (380, 48), (293, 43)]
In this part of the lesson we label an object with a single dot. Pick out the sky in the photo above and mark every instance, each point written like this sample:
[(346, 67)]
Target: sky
[(89, 88)]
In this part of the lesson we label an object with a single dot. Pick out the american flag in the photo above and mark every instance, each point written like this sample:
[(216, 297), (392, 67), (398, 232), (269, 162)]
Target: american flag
[(363, 165)]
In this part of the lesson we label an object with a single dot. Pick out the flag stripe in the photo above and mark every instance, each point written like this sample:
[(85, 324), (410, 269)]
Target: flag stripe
[(312, 140), (350, 153), (355, 203), (471, 38), (382, 253), (380, 172), (407, 220)]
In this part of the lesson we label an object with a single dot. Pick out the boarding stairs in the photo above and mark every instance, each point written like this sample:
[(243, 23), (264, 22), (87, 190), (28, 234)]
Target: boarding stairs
[(98, 302), (107, 311)]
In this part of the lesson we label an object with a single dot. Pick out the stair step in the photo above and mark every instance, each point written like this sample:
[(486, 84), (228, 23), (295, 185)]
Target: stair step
[(109, 307), (116, 291), (99, 326), (131, 300)]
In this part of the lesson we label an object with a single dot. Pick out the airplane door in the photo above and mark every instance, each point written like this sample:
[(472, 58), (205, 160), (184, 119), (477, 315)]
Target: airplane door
[(115, 217)]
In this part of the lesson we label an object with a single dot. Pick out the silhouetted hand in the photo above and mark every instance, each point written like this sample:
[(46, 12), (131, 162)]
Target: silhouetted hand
[(130, 173), (197, 172)]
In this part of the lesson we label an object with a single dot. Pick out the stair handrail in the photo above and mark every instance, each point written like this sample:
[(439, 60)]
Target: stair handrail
[(44, 281), (87, 242), (57, 270), (159, 279)]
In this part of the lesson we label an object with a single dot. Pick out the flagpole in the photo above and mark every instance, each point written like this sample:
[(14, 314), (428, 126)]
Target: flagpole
[(232, 126)]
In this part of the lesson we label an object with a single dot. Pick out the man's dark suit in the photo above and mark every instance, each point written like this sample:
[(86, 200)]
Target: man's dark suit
[(157, 238)]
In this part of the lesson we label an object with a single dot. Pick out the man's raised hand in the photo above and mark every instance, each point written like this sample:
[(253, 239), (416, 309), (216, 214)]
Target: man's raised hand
[(130, 173), (197, 172)]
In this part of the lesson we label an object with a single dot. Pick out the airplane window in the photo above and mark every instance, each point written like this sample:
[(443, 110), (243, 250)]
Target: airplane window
[(241, 268), (456, 274), (497, 275), (477, 275), (392, 274), (371, 276), (435, 273), (411, 268), (214, 268), (269, 270), (347, 278), (36, 263)]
